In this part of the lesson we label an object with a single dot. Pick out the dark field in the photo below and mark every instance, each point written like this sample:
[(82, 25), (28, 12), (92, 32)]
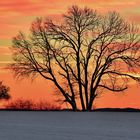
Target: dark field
[(35, 125)]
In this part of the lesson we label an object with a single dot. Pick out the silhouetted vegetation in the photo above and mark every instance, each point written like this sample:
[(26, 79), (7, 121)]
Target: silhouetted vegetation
[(117, 110), (84, 55), (24, 104), (4, 91)]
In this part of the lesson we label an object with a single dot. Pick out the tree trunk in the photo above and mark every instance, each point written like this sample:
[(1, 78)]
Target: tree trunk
[(74, 107), (89, 108)]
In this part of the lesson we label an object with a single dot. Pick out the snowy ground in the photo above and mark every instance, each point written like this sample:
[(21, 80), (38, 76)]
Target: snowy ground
[(69, 125)]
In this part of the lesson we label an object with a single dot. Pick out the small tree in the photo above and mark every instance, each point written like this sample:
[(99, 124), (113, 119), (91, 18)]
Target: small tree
[(4, 91), (83, 56)]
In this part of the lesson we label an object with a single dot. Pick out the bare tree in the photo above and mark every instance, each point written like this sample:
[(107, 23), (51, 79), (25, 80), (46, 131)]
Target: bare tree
[(4, 91), (83, 56)]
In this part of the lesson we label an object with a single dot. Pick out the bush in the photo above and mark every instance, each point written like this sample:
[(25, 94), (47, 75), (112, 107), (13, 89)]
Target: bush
[(25, 104)]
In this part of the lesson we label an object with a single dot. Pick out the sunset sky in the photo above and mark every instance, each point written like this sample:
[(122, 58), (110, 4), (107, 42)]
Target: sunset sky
[(17, 15)]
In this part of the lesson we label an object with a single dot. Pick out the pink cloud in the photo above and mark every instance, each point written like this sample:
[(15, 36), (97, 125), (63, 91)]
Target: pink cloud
[(41, 7)]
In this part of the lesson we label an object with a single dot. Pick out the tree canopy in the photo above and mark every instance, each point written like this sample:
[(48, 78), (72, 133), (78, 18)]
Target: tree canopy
[(84, 55)]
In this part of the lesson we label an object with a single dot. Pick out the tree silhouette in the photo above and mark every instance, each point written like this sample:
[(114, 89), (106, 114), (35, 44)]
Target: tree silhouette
[(83, 55), (4, 91)]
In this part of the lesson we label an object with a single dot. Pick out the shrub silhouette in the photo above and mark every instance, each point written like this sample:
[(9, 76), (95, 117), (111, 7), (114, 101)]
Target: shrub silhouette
[(26, 104), (43, 105)]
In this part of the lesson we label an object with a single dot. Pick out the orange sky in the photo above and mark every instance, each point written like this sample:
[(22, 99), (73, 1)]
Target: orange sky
[(17, 15)]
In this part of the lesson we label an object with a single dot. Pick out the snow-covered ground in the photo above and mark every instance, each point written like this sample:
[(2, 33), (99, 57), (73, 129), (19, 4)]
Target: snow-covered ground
[(69, 125)]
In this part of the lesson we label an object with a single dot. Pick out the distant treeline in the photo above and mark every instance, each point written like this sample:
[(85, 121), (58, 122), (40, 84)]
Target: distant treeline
[(118, 109)]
